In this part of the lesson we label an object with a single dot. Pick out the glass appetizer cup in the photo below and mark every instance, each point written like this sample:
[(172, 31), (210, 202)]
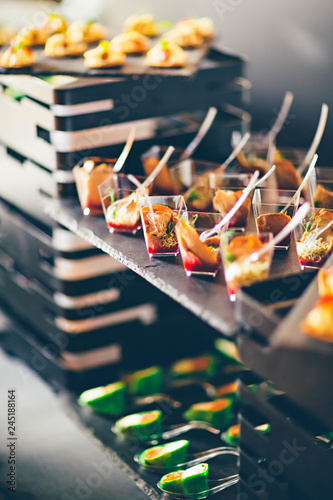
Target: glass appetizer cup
[(314, 238), (287, 162), (239, 269), (159, 216), (88, 174), (257, 146), (199, 258), (119, 198), (150, 160), (224, 180), (225, 199), (323, 187), (190, 178), (267, 205)]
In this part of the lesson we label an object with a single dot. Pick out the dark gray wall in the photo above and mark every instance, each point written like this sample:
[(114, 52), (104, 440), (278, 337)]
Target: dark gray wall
[(289, 44)]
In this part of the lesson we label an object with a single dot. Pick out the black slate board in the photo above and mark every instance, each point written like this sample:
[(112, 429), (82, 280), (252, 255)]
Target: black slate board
[(206, 298), (296, 363), (133, 66)]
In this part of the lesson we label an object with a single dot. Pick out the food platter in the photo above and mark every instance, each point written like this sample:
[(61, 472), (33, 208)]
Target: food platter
[(133, 67)]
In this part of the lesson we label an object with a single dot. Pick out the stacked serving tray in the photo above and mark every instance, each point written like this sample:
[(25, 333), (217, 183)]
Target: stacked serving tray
[(83, 308)]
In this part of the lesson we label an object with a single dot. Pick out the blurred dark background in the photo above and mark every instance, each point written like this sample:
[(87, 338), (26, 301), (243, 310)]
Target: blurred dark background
[(288, 44)]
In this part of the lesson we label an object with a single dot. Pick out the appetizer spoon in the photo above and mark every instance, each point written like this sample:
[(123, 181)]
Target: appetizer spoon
[(193, 459), (305, 180), (177, 430), (149, 180), (278, 124), (265, 177), (314, 235), (210, 390), (281, 118), (317, 138), (122, 158), (235, 151), (215, 487), (235, 208), (156, 398), (154, 173), (297, 219), (205, 126)]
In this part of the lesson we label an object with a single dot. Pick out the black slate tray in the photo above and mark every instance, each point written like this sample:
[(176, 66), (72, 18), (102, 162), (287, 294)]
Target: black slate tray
[(206, 298), (134, 66), (308, 476), (278, 350)]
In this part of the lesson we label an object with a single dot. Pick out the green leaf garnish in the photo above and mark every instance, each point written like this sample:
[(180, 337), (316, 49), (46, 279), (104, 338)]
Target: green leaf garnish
[(308, 223), (170, 227), (19, 45), (230, 257), (111, 212), (165, 24), (52, 15), (192, 196), (110, 194), (194, 220), (91, 21), (164, 44), (104, 45)]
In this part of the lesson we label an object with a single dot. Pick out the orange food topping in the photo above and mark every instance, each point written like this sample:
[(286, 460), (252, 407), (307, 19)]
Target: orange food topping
[(156, 208), (152, 454), (234, 430), (147, 417), (173, 476), (227, 389)]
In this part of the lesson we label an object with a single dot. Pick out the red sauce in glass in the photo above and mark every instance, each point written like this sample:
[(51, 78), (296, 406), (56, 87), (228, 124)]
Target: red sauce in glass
[(123, 228), (191, 263)]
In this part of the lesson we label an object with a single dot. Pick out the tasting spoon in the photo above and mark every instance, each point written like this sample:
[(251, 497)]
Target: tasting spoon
[(215, 487), (278, 124), (205, 126), (282, 116), (176, 430), (235, 151), (305, 180), (297, 219), (254, 183), (193, 459), (149, 180), (210, 232), (151, 177), (317, 138), (125, 152)]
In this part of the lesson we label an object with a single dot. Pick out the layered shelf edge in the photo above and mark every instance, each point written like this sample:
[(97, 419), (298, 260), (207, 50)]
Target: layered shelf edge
[(219, 315)]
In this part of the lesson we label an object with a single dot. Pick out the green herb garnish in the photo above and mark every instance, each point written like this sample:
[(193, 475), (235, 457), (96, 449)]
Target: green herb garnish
[(308, 223), (170, 227), (91, 21), (165, 24), (164, 44), (194, 220), (230, 258), (192, 196), (111, 212), (19, 46), (110, 194), (104, 45)]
